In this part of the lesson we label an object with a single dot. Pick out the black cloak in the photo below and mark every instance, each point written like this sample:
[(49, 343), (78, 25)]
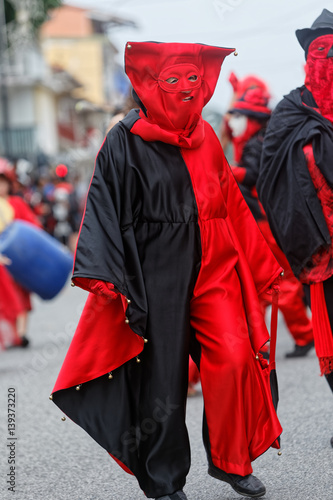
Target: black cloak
[(284, 184)]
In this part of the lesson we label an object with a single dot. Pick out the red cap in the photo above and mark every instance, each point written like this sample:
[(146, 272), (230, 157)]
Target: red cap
[(61, 170)]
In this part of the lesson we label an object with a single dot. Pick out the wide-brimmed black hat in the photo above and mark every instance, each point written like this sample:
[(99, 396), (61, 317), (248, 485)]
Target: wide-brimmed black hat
[(323, 25)]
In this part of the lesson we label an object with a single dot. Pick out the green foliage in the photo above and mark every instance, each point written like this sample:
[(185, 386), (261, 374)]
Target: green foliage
[(9, 11), (38, 15), (45, 6)]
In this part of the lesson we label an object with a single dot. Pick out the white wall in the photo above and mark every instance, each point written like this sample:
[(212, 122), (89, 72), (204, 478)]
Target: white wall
[(21, 107), (46, 121)]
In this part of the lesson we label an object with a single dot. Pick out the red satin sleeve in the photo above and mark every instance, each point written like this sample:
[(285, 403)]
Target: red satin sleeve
[(98, 287)]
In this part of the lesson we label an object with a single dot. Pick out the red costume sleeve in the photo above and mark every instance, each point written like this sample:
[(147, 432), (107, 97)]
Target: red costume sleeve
[(98, 287)]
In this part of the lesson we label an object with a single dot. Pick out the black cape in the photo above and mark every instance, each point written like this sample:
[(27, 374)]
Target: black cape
[(284, 184), (122, 253)]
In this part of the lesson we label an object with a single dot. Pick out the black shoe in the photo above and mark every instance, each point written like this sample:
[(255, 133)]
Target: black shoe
[(300, 350), (248, 486), (179, 495), (24, 341), (20, 342)]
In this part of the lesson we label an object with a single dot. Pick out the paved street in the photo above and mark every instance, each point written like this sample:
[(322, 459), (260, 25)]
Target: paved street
[(56, 460)]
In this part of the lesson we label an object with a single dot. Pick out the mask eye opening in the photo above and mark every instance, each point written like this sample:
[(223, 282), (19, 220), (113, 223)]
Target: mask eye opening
[(172, 80)]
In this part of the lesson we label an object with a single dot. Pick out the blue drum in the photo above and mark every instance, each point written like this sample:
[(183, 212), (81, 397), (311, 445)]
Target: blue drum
[(38, 261)]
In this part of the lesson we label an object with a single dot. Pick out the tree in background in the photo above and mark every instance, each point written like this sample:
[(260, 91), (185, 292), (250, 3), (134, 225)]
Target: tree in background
[(35, 10), (20, 21)]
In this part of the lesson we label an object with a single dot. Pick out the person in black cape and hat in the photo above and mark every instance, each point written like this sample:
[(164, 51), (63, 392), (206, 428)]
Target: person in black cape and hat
[(296, 180)]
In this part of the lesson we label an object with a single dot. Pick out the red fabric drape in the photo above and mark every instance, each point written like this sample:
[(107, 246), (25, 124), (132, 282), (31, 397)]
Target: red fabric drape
[(321, 329)]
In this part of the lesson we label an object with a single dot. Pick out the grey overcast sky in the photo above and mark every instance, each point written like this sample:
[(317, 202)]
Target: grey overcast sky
[(262, 31)]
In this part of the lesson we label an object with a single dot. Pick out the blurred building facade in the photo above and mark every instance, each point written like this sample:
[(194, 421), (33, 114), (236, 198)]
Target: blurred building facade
[(34, 93), (58, 92), (76, 40)]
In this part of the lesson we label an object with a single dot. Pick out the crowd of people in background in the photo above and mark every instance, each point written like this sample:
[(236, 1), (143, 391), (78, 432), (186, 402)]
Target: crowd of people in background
[(51, 199), (56, 197)]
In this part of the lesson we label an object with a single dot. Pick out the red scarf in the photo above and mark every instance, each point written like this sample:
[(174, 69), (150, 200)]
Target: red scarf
[(321, 329), (152, 132)]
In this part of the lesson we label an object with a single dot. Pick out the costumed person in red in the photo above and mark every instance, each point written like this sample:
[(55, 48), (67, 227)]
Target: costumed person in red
[(296, 180), (248, 120), (239, 88), (11, 308), (22, 211), (175, 262), (10, 304)]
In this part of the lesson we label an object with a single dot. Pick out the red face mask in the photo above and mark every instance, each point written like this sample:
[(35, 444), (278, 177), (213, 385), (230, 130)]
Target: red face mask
[(319, 74), (174, 81), (181, 95)]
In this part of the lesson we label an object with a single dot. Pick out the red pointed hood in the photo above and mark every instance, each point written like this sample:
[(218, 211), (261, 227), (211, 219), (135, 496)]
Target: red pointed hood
[(150, 65)]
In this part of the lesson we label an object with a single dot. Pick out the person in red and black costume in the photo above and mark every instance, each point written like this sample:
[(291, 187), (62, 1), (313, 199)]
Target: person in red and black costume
[(175, 262), (240, 86), (296, 181), (249, 116)]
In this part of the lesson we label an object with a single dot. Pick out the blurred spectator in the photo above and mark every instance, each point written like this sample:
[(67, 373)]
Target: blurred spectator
[(64, 205), (11, 308), (59, 203), (240, 86), (21, 211), (10, 305)]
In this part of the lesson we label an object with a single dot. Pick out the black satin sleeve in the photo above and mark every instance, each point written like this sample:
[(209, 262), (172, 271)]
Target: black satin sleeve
[(106, 248)]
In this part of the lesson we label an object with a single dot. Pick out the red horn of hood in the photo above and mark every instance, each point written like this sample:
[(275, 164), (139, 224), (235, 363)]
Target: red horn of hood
[(174, 81)]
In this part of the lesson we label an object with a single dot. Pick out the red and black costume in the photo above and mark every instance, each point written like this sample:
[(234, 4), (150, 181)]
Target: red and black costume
[(253, 104), (167, 234), (296, 180)]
